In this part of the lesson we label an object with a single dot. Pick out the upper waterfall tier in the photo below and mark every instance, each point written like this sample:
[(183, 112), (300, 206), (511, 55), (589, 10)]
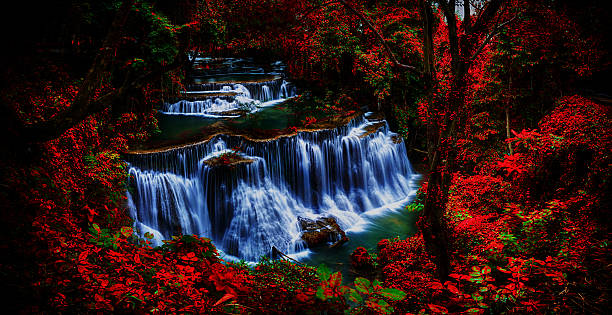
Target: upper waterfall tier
[(263, 89), (250, 207), (223, 98)]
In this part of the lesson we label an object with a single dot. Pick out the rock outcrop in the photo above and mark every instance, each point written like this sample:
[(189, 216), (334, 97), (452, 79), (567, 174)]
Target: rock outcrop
[(322, 231), (227, 159)]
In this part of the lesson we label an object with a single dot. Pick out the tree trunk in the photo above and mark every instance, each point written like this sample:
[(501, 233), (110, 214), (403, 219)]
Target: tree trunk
[(442, 135), (508, 129), (434, 234)]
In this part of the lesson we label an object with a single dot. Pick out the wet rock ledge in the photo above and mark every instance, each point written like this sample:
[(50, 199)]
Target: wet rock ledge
[(322, 231), (221, 127), (227, 160)]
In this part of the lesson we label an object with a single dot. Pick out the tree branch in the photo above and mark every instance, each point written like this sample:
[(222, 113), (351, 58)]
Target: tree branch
[(379, 36), (314, 8), (485, 17), (82, 106), (467, 14), (490, 36), (448, 8)]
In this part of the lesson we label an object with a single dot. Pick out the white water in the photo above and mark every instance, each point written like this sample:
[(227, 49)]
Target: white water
[(248, 209), (249, 96)]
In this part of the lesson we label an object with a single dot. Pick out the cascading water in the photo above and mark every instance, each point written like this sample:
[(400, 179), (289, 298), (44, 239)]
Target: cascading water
[(246, 96), (250, 207)]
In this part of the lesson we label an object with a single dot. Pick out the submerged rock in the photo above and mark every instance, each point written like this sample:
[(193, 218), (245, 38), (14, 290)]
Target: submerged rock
[(322, 231), (235, 112)]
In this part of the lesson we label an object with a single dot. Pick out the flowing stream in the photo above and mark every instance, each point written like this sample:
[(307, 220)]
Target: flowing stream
[(360, 178)]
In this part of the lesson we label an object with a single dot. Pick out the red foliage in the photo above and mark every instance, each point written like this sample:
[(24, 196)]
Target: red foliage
[(406, 266), (528, 231), (361, 261)]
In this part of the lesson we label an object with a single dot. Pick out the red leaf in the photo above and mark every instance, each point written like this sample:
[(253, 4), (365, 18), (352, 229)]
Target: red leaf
[(335, 279), (437, 308), (224, 298), (437, 286), (453, 289), (83, 255)]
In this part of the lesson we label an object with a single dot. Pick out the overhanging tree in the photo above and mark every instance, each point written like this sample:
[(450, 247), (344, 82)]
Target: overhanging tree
[(140, 47), (466, 42)]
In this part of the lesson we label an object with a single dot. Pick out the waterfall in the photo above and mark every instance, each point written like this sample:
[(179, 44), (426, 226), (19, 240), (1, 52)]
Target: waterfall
[(245, 96), (206, 106), (250, 207), (257, 90), (266, 93)]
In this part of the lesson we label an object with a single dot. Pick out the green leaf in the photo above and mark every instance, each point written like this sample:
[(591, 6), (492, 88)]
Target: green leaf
[(363, 285), (486, 269), (382, 303), (323, 272), (126, 231), (393, 294), (321, 294), (96, 227), (135, 298), (355, 297), (344, 289)]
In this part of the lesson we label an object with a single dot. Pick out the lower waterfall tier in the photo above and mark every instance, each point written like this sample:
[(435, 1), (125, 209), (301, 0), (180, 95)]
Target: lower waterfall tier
[(247, 208)]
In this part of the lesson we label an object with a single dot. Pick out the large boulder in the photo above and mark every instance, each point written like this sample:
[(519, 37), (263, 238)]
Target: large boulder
[(322, 231)]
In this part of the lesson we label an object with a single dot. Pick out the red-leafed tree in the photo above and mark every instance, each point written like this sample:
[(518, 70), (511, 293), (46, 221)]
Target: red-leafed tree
[(466, 41)]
